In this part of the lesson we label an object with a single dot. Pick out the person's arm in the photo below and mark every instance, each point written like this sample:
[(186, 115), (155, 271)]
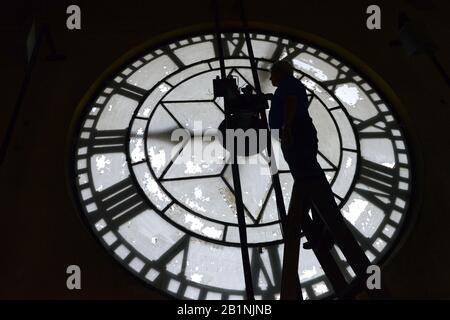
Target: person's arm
[(289, 107)]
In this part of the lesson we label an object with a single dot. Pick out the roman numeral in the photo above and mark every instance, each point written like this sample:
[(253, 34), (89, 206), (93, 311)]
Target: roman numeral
[(380, 179), (341, 78), (332, 84), (128, 90), (238, 47), (259, 270), (290, 49), (182, 245), (103, 141), (229, 41), (107, 141), (372, 122), (120, 203)]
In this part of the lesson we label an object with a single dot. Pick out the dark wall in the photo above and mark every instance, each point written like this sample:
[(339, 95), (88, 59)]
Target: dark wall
[(41, 231)]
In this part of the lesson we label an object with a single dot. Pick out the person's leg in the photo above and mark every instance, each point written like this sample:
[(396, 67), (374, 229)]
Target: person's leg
[(298, 206), (322, 199), (320, 238)]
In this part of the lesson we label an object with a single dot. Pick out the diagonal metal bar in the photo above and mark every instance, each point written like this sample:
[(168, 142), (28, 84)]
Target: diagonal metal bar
[(218, 106), (244, 78), (327, 160), (264, 204), (169, 165)]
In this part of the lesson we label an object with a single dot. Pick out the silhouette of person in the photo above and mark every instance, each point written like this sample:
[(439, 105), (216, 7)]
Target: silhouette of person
[(299, 144)]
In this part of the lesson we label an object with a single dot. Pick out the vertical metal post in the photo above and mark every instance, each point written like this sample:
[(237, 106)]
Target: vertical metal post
[(235, 172), (275, 177)]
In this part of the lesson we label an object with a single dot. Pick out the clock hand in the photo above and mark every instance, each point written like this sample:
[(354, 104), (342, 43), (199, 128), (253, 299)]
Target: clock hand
[(251, 55), (166, 133), (228, 93), (275, 177)]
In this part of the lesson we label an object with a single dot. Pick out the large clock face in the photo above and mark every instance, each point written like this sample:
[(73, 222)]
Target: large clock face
[(169, 216)]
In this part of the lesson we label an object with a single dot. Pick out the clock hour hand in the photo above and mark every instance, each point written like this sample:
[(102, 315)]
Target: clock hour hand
[(166, 134)]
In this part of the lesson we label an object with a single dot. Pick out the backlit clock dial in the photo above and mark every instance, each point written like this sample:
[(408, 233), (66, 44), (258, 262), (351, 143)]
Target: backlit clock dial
[(169, 215)]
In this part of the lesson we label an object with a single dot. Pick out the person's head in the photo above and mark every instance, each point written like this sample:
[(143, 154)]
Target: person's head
[(280, 70)]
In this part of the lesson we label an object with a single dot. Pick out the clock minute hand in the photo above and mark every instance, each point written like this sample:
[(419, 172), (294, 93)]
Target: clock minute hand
[(251, 55), (275, 177), (227, 95)]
